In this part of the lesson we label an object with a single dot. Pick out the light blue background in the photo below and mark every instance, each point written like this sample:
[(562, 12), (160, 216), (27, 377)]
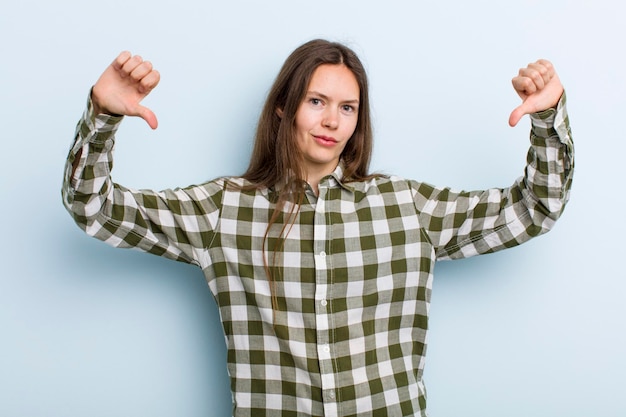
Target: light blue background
[(87, 330)]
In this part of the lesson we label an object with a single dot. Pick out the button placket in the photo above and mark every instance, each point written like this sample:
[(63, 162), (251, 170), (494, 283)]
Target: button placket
[(321, 236)]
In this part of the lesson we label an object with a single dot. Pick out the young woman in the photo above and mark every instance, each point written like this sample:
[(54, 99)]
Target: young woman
[(322, 272)]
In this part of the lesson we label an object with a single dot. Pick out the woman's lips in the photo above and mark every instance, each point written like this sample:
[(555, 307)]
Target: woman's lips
[(325, 140)]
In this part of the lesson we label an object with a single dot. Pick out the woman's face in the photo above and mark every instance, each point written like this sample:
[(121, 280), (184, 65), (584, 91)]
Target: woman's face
[(327, 118)]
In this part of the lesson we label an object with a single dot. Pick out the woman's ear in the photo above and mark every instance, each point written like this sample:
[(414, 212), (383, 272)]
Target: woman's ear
[(279, 112)]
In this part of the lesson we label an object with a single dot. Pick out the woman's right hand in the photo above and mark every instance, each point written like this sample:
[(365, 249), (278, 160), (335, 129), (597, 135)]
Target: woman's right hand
[(122, 86)]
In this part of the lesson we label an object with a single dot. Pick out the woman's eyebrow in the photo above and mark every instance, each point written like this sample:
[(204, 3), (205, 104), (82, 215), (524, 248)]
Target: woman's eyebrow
[(326, 98)]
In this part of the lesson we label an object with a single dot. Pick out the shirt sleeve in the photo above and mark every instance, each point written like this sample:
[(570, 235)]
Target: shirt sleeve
[(463, 224), (177, 224)]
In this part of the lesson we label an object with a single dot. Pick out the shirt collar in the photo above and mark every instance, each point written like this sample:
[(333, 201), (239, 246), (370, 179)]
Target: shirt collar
[(336, 178)]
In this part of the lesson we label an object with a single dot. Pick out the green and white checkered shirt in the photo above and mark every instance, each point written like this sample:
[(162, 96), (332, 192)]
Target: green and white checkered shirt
[(347, 336)]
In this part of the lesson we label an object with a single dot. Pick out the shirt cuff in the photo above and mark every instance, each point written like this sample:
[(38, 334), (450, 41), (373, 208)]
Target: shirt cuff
[(98, 128), (553, 119)]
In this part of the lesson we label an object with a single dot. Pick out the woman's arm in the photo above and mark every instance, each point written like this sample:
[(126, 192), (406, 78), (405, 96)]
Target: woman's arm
[(177, 224), (462, 224)]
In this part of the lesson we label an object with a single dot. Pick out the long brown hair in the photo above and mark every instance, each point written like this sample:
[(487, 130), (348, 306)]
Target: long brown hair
[(276, 157)]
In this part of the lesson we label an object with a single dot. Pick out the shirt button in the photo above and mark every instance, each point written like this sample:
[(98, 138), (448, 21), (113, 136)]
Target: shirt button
[(331, 394), (322, 254), (324, 302), (326, 348)]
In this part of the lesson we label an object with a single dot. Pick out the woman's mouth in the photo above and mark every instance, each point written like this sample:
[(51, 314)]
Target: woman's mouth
[(325, 140)]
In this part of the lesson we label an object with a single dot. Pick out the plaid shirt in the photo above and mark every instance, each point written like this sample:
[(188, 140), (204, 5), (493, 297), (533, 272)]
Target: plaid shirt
[(347, 335)]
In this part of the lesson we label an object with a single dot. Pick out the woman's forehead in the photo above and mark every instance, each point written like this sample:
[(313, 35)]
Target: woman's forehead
[(334, 81)]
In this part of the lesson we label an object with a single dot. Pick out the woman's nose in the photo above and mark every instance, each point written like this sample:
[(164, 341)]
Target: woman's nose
[(330, 120)]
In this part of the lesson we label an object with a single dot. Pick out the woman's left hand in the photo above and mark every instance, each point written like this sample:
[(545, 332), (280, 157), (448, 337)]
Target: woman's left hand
[(539, 87)]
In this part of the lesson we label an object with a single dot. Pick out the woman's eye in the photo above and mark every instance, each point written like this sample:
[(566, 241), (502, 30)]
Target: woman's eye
[(315, 101), (348, 108)]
